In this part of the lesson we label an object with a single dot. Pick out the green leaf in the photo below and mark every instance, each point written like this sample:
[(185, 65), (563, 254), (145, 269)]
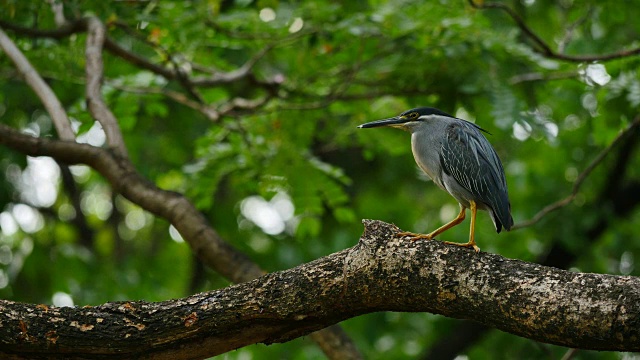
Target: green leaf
[(308, 227), (344, 215)]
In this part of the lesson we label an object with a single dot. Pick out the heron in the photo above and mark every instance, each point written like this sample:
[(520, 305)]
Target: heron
[(460, 160)]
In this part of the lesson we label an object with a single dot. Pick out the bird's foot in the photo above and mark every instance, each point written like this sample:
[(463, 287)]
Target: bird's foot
[(414, 236), (470, 244)]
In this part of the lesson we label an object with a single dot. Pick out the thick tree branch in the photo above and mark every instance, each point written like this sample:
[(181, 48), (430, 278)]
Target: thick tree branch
[(44, 92), (541, 46), (380, 273)]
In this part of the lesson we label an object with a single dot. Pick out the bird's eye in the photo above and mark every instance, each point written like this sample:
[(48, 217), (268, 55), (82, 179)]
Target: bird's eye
[(414, 115)]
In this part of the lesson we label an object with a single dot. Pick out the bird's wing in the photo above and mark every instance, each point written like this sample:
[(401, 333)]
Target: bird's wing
[(469, 158)]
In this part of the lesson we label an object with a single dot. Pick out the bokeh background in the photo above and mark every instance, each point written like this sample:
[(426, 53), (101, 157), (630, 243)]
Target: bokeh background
[(275, 162)]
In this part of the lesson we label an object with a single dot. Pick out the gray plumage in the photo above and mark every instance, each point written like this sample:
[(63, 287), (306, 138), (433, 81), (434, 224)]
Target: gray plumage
[(458, 158)]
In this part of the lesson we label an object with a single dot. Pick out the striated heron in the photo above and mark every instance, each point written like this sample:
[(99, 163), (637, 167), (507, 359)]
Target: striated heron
[(460, 160)]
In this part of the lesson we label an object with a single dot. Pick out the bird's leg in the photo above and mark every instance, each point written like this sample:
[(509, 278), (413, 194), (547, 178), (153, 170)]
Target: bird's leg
[(461, 215), (472, 241), (437, 231)]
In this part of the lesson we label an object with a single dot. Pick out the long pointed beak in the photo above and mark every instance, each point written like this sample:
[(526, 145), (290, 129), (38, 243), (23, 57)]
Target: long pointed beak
[(384, 122)]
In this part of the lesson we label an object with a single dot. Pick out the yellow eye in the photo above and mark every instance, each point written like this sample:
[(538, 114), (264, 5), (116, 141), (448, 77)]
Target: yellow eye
[(414, 115)]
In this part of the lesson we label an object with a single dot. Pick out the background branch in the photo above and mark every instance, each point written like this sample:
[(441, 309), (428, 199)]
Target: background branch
[(541, 46), (580, 180), (203, 239), (205, 242), (44, 92), (216, 78), (243, 71), (94, 73), (57, 8)]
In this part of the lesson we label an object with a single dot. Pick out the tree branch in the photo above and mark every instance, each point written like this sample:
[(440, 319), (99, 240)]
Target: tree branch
[(216, 78), (536, 76), (37, 84), (380, 273), (243, 71), (174, 207), (579, 181), (57, 8), (94, 72), (58, 33), (86, 233), (209, 111), (205, 242), (570, 30), (542, 46)]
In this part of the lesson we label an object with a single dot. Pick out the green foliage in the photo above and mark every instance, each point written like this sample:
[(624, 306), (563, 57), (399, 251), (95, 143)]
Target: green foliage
[(328, 67)]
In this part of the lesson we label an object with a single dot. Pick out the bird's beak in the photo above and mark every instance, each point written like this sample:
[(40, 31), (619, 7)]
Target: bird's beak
[(395, 121)]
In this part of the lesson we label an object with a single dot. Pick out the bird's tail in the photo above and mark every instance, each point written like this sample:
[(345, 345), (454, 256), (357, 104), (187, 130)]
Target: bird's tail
[(502, 219)]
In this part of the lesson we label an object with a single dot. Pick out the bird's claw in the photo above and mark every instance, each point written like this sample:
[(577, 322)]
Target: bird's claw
[(414, 236), (467, 245)]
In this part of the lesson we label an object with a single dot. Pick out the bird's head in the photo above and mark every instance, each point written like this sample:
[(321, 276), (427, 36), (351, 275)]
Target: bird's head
[(408, 119)]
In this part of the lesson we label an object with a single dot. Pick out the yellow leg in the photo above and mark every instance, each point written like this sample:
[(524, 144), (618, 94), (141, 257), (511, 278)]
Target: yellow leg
[(439, 230), (472, 241)]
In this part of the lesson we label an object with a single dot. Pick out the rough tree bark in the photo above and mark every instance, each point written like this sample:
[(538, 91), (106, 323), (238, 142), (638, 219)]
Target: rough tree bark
[(380, 273)]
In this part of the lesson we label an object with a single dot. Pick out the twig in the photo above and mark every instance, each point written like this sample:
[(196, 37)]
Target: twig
[(94, 72), (581, 178), (109, 44), (236, 34), (178, 71), (536, 76), (57, 7), (542, 46), (136, 59), (568, 34), (242, 103), (218, 78), (569, 354), (40, 87), (59, 33), (208, 111)]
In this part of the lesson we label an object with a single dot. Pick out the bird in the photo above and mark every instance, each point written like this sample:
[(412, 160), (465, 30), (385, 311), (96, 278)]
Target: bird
[(459, 159)]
